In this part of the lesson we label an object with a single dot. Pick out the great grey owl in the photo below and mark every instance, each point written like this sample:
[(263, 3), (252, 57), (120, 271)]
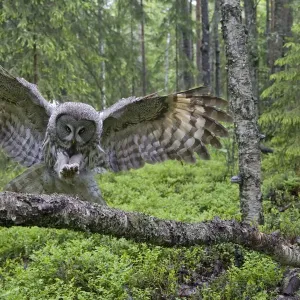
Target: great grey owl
[(61, 144)]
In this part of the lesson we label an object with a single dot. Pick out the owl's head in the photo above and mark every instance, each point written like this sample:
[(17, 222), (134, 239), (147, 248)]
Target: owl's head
[(75, 124), (78, 132)]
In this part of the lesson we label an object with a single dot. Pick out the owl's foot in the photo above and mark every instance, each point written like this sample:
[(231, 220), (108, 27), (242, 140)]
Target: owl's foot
[(69, 171)]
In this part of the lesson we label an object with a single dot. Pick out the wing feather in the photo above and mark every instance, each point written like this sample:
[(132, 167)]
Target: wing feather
[(24, 115), (156, 128), (31, 181)]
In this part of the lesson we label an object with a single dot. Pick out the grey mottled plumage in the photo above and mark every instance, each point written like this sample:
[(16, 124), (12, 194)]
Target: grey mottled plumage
[(62, 144)]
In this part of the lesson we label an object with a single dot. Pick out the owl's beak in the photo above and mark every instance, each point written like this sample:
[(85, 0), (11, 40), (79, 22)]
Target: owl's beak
[(73, 142)]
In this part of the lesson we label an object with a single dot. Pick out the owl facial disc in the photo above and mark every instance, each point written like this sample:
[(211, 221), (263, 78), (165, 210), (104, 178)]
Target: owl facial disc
[(73, 132)]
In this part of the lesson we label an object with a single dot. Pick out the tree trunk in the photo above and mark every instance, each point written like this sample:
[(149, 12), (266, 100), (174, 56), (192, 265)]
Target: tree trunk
[(268, 30), (191, 34), (186, 46), (272, 15), (177, 50), (102, 75), (168, 42), (205, 43), (250, 20), (282, 21), (216, 73), (35, 61), (244, 111), (62, 211), (144, 83), (132, 56), (101, 54), (198, 43)]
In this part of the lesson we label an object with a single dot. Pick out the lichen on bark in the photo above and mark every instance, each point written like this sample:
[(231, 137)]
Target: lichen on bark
[(244, 109), (63, 211)]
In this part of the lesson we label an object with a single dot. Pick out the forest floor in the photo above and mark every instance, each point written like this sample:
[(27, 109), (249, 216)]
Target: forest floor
[(37, 263)]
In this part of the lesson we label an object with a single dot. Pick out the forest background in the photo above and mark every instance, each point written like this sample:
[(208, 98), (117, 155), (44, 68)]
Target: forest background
[(100, 51)]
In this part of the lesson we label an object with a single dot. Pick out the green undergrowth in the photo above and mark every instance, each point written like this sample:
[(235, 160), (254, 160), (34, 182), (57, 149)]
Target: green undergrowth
[(281, 190), (37, 263), (176, 191)]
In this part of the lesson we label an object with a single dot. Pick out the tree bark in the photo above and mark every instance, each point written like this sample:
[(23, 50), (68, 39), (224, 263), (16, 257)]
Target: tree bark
[(186, 45), (198, 43), (282, 21), (168, 42), (250, 20), (268, 30), (205, 43), (62, 211), (217, 75), (101, 54), (244, 109), (144, 82), (191, 34), (177, 49), (35, 62), (132, 58)]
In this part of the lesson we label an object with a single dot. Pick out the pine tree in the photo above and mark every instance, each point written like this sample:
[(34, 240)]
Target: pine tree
[(281, 119)]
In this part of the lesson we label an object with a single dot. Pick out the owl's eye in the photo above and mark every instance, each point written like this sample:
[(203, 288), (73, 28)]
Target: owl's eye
[(68, 129), (81, 131)]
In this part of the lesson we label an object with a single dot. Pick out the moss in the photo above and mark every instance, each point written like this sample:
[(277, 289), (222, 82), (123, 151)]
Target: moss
[(37, 263)]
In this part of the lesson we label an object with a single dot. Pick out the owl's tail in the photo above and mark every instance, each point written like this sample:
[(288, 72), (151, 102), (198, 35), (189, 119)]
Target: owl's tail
[(31, 181)]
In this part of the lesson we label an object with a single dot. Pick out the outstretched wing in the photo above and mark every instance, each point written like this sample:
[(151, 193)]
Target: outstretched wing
[(156, 128), (24, 116)]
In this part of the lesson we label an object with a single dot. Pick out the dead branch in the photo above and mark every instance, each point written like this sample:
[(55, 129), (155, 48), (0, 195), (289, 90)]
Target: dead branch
[(62, 211)]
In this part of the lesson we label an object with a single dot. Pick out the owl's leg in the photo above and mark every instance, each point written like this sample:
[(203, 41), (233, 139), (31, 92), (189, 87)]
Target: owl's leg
[(93, 193), (62, 159), (65, 167), (84, 186), (76, 159)]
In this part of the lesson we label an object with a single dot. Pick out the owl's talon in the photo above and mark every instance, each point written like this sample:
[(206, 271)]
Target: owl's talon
[(69, 171)]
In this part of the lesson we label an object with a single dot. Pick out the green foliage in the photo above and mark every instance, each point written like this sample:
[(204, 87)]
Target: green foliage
[(281, 120), (90, 50), (252, 281), (37, 263), (175, 191), (281, 204)]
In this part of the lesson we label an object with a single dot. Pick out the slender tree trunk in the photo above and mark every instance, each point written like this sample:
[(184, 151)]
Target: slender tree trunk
[(132, 56), (186, 44), (268, 30), (198, 43), (244, 111), (250, 19), (101, 54), (144, 82), (205, 43), (191, 34), (217, 76), (282, 21), (177, 50), (272, 15), (168, 42), (102, 75), (35, 61)]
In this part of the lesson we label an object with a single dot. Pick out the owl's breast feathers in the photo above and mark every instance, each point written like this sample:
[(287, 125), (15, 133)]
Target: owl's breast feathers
[(90, 153)]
